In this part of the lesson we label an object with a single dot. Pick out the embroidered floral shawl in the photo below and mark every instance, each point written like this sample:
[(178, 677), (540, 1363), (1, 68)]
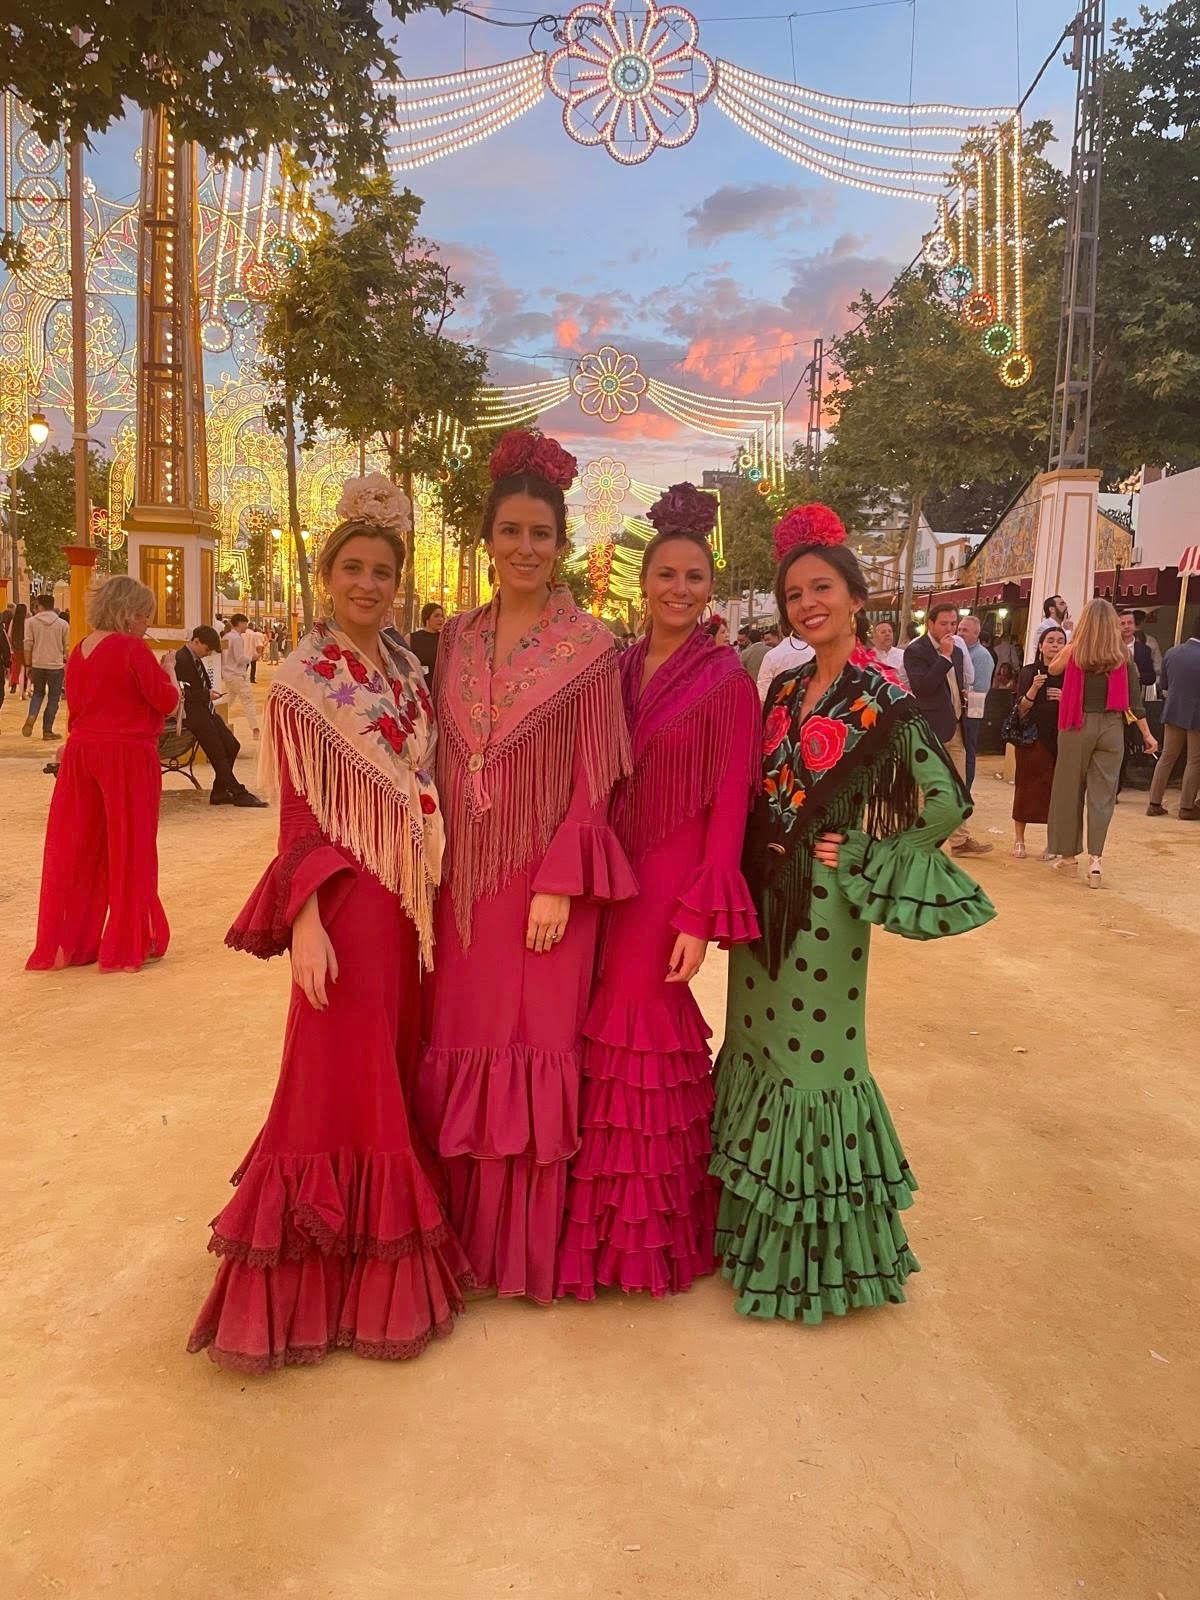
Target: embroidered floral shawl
[(681, 727), (359, 746), (512, 734), (844, 766)]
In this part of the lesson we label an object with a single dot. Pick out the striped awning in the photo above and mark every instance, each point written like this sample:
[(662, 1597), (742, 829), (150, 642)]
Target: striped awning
[(1189, 562)]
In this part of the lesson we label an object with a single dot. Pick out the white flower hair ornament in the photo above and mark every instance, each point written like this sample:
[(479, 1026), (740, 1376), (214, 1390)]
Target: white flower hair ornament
[(377, 501)]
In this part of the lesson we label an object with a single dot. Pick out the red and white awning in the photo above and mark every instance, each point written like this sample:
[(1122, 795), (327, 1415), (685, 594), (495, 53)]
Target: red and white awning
[(1189, 562)]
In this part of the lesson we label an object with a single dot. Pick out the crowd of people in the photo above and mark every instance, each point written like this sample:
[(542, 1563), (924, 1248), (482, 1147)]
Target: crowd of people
[(505, 849)]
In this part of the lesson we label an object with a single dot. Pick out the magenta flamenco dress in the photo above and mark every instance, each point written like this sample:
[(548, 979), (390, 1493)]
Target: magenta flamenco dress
[(529, 749), (641, 1207)]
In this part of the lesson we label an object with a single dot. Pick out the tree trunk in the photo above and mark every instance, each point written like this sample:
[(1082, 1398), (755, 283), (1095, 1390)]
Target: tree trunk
[(289, 439), (410, 566), (908, 557)]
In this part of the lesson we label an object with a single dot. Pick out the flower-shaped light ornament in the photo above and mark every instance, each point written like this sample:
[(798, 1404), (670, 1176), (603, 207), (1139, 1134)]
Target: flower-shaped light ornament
[(605, 480), (603, 520), (630, 77), (609, 385)]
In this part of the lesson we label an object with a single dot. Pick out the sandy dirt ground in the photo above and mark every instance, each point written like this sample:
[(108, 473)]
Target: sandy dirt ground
[(1026, 1427)]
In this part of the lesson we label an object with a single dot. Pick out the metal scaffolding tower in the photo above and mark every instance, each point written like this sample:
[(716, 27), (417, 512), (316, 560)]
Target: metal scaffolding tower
[(816, 375), (1072, 414)]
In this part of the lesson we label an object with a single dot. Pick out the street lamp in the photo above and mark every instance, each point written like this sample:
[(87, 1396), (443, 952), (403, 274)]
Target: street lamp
[(39, 428)]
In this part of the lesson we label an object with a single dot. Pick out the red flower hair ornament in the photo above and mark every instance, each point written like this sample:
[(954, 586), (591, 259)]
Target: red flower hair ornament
[(524, 450), (811, 524)]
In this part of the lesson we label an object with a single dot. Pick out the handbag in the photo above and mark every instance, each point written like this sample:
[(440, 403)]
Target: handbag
[(1018, 730), (1134, 744)]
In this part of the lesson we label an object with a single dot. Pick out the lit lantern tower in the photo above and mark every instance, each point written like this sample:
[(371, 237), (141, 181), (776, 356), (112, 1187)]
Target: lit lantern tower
[(172, 537)]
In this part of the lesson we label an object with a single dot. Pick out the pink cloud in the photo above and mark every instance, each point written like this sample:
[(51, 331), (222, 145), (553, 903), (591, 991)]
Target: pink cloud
[(567, 333)]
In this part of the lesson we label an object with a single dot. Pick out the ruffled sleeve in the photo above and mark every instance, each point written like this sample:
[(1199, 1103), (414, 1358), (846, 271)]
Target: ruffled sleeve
[(585, 856), (306, 864), (904, 883), (716, 904)]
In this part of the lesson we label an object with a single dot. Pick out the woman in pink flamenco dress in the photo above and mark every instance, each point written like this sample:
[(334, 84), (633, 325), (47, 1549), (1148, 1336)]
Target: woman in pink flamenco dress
[(335, 1236), (641, 1207), (532, 738)]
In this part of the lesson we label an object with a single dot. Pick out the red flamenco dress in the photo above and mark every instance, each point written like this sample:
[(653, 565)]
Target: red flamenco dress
[(335, 1236), (641, 1207), (99, 899)]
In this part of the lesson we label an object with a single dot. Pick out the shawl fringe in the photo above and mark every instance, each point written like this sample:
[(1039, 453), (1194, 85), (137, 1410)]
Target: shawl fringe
[(526, 782), (874, 788), (676, 777), (353, 803)]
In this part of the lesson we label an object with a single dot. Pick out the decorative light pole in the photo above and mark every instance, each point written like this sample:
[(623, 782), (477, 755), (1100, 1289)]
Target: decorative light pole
[(172, 537)]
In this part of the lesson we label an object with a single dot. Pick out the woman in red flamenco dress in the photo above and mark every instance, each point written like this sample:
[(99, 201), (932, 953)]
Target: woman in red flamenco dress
[(336, 1237), (641, 1206), (99, 899)]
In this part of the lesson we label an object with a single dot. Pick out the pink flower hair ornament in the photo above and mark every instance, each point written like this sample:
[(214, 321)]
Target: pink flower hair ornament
[(684, 509), (525, 450), (813, 524)]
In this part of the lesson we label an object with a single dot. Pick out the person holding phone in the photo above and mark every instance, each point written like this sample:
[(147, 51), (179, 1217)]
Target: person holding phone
[(1039, 692)]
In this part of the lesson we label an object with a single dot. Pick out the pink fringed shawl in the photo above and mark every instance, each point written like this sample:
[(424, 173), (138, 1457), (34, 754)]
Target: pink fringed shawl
[(512, 734), (1070, 710), (682, 729)]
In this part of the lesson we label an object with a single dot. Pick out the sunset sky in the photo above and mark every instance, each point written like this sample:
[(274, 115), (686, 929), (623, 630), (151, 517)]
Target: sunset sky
[(716, 264)]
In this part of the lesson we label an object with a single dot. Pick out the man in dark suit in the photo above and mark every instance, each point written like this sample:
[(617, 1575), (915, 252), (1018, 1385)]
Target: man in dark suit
[(1181, 730), (213, 736), (935, 676)]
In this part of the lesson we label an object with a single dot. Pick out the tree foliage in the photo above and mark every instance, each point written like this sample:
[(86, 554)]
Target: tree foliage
[(46, 518), (1147, 388), (237, 76), (356, 333)]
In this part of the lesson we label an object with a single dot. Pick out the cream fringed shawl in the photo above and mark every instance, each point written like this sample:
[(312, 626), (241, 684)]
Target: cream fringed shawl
[(514, 736), (359, 746)]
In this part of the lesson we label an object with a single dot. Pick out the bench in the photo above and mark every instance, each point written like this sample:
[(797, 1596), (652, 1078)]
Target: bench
[(177, 751)]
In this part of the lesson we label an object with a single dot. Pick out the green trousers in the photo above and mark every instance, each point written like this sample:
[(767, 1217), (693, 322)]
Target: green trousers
[(1088, 767)]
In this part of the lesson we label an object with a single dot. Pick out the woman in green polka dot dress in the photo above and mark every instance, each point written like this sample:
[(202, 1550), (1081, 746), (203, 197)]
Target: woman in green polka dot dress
[(857, 797)]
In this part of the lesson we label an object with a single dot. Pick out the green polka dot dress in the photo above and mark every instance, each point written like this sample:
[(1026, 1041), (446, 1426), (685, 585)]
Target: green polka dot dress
[(814, 1178)]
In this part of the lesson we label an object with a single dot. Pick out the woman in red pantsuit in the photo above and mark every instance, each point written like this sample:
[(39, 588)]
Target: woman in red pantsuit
[(100, 867), (335, 1236)]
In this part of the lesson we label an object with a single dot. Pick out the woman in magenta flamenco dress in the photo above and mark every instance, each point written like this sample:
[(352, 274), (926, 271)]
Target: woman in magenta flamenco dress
[(641, 1207), (335, 1236), (532, 738)]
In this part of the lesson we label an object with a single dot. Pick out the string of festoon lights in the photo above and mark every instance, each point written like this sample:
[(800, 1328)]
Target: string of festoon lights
[(478, 102)]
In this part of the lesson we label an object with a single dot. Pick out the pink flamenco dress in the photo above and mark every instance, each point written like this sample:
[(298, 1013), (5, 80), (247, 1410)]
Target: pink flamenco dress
[(335, 1236), (641, 1207), (529, 750)]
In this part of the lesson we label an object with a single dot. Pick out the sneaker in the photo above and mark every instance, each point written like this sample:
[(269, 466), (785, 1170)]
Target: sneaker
[(971, 847), (1155, 810), (219, 797), (247, 799), (27, 728)]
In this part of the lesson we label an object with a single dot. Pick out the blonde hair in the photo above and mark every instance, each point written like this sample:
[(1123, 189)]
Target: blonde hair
[(118, 602), (341, 536), (1096, 644)]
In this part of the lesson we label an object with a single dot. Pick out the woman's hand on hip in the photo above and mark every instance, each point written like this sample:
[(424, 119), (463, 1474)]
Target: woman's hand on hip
[(687, 958), (314, 960), (548, 914), (827, 849)]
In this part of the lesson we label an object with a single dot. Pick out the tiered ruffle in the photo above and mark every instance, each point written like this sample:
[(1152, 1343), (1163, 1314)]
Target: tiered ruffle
[(716, 905), (585, 859), (909, 888), (640, 1204), (308, 865), (326, 1251), (813, 1184), (507, 1124)]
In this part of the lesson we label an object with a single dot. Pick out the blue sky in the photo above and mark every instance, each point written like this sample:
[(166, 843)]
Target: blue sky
[(716, 263)]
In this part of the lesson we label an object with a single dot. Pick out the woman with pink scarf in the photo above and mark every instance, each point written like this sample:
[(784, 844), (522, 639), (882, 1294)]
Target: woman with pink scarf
[(532, 739), (1101, 692), (641, 1207)]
